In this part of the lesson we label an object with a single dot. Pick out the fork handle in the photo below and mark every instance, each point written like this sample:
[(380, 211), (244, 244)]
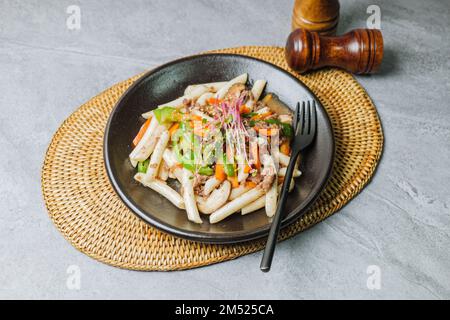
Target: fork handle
[(266, 261)]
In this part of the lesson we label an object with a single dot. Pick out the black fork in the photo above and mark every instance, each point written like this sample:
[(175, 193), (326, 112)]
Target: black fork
[(304, 125)]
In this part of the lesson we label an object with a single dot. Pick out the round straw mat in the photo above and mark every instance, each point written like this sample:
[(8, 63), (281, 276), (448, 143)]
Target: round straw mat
[(86, 210)]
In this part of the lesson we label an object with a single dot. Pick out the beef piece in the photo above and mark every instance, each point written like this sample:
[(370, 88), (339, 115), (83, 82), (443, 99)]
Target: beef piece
[(256, 179), (235, 91), (268, 174), (199, 182)]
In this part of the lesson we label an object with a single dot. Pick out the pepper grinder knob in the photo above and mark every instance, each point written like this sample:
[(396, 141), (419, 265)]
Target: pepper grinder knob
[(359, 51), (316, 15)]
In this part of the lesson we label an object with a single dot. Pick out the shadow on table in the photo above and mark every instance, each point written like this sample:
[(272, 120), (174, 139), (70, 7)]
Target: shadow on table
[(390, 64)]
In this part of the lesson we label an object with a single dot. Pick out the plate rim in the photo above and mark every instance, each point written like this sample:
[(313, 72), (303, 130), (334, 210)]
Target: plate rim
[(205, 237)]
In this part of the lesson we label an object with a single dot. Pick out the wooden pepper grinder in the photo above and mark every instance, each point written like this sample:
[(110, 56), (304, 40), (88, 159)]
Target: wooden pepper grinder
[(359, 51), (316, 15)]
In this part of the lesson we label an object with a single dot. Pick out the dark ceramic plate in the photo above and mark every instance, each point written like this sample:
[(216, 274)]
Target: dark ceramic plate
[(168, 82)]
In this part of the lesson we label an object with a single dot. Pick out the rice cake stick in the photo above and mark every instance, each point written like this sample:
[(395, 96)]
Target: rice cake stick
[(272, 194), (146, 145), (235, 205), (261, 202), (239, 79), (189, 197), (217, 199), (173, 164), (156, 157), (236, 192), (212, 86), (177, 103), (210, 184), (258, 88), (163, 189), (282, 172)]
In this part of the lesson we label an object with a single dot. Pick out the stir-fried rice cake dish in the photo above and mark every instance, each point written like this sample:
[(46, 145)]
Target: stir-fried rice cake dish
[(227, 148)]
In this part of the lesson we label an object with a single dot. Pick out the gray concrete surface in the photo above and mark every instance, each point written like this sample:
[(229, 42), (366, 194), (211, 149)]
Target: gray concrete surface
[(399, 223)]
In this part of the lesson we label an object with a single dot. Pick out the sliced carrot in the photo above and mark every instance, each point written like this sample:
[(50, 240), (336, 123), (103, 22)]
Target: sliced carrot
[(255, 155), (141, 132), (250, 184), (247, 168), (262, 115), (220, 172), (285, 148), (244, 109), (196, 117), (214, 101), (174, 128), (234, 181), (268, 132)]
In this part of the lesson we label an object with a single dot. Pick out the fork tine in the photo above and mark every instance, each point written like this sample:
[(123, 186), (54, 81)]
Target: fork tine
[(308, 118), (302, 114), (313, 122), (296, 115)]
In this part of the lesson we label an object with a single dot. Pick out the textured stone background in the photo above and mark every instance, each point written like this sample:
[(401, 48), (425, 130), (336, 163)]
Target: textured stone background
[(400, 222)]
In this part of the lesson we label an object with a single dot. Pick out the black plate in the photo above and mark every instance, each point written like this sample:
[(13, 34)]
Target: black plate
[(168, 82)]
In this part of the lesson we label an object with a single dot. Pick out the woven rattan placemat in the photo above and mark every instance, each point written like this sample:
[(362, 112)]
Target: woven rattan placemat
[(86, 210)]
